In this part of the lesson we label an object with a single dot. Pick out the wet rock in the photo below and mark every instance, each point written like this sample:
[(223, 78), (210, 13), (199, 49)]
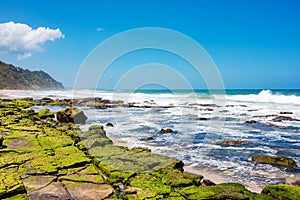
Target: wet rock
[(109, 124), (46, 100), (289, 163), (207, 182), (282, 191), (71, 114), (167, 130), (251, 122), (150, 138), (45, 113), (264, 116), (286, 113), (284, 118), (198, 119), (231, 142)]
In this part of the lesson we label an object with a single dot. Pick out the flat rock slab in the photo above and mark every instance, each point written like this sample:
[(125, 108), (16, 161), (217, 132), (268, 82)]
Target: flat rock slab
[(54, 191), (33, 183), (88, 191)]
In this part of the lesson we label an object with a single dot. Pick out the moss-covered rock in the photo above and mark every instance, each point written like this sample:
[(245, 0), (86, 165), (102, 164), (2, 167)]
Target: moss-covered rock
[(222, 191), (276, 160), (282, 192), (10, 183), (45, 113)]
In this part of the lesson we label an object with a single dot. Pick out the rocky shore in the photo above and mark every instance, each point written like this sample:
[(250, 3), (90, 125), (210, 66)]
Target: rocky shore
[(43, 157)]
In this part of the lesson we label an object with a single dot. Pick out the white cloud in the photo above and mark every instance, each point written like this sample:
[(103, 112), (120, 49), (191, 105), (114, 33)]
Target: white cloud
[(22, 40), (99, 29)]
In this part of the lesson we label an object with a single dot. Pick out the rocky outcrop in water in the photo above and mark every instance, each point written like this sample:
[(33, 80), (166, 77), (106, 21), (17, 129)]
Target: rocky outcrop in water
[(276, 160)]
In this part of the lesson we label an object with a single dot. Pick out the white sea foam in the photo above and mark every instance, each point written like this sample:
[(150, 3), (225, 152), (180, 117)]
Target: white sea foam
[(266, 96)]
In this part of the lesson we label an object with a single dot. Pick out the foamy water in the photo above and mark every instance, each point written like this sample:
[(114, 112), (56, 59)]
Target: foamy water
[(196, 141)]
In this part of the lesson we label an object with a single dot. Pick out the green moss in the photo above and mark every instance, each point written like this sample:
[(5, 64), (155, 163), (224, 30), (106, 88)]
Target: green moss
[(70, 156), (140, 149), (282, 191), (51, 142), (45, 113), (23, 103), (10, 183), (151, 183)]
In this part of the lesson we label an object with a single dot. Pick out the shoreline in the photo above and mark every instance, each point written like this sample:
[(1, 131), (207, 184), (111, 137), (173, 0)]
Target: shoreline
[(212, 175)]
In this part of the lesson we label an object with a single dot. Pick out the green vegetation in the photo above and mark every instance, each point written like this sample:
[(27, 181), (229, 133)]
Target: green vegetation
[(282, 191), (13, 78)]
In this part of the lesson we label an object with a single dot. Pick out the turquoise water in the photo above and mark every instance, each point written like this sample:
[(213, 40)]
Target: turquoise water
[(295, 92)]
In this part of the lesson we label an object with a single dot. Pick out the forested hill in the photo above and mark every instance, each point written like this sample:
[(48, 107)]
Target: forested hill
[(16, 78)]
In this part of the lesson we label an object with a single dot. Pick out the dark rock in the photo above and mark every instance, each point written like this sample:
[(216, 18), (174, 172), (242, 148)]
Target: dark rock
[(264, 116), (231, 142), (284, 118), (46, 100), (286, 113), (207, 182), (251, 122), (199, 118), (289, 163), (71, 114), (109, 124), (149, 138), (296, 183), (168, 130), (1, 141)]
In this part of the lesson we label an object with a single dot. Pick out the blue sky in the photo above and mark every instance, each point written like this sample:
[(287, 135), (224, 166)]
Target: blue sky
[(255, 44)]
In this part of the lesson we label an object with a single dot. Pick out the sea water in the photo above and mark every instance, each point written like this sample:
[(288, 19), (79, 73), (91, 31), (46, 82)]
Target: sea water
[(197, 141)]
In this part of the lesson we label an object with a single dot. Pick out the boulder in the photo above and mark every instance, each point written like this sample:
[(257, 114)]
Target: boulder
[(276, 160), (71, 114)]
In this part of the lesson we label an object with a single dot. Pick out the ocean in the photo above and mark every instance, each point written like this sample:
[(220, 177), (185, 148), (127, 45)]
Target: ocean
[(202, 120)]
